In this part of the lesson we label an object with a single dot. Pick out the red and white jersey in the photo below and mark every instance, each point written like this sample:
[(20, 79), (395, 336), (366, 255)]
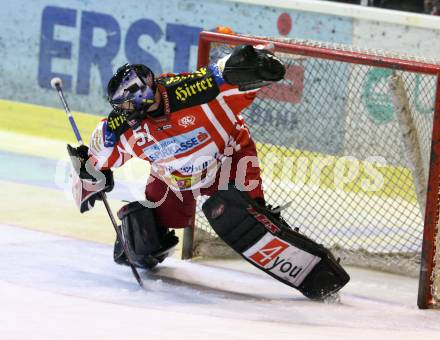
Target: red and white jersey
[(185, 147)]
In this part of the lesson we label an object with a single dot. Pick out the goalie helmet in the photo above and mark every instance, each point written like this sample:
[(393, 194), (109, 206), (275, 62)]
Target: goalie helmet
[(131, 91)]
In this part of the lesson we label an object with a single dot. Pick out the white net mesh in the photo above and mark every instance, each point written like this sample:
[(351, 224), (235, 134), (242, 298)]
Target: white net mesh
[(349, 144), (355, 49)]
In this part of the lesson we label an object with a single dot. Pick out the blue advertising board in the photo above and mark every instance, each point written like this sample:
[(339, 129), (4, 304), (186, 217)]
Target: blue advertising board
[(83, 42)]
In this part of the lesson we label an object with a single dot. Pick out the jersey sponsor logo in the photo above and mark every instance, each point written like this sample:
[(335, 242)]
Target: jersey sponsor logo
[(187, 120), (117, 123), (165, 98), (200, 73), (202, 136), (191, 84), (177, 145), (115, 120), (182, 182), (268, 224), (186, 91), (186, 182), (282, 259), (194, 165), (194, 168), (164, 127)]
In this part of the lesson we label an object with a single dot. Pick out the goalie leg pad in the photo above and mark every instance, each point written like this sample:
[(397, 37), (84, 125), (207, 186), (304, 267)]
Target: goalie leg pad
[(266, 241), (147, 242)]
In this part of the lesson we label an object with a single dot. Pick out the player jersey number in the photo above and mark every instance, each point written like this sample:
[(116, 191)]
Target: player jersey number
[(142, 135)]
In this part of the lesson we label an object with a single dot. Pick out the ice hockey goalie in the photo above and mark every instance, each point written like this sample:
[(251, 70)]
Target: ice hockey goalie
[(190, 129)]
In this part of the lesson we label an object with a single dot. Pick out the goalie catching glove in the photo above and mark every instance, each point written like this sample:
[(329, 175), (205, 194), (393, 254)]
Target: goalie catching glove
[(265, 240), (87, 182), (250, 67)]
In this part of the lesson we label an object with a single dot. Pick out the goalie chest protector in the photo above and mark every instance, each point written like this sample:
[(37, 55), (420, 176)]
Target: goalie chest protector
[(267, 242)]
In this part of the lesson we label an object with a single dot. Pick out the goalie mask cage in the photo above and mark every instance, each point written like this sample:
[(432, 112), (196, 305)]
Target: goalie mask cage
[(352, 138)]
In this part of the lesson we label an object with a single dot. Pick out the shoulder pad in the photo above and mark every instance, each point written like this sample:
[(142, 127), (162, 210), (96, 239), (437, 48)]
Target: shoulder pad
[(184, 90), (117, 123)]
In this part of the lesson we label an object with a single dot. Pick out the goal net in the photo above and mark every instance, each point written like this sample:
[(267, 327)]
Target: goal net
[(347, 137)]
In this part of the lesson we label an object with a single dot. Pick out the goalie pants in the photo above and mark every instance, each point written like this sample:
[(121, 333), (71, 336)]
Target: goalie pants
[(177, 213)]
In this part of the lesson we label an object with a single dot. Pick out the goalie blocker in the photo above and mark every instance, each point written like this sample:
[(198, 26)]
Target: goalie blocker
[(265, 240)]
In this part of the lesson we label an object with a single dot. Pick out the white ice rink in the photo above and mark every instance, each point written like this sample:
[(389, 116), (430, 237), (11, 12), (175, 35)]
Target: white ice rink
[(54, 287)]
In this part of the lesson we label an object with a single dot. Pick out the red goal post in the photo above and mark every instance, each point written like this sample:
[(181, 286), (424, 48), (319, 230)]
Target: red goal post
[(428, 195)]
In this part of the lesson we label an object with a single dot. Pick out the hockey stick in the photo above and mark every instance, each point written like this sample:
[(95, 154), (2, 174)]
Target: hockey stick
[(57, 84)]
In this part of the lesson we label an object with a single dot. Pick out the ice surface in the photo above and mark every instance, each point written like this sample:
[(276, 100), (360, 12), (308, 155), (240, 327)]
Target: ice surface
[(59, 288)]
